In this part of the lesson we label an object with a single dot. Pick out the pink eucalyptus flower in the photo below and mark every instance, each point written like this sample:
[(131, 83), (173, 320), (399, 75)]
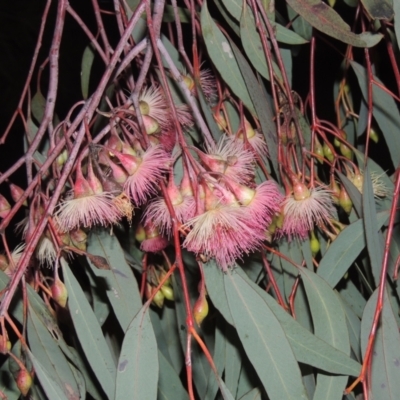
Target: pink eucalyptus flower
[(87, 205), (230, 158), (144, 172), (223, 231), (261, 203), (304, 208)]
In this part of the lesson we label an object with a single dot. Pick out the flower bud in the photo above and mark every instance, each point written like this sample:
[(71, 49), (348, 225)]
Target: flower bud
[(5, 207), (314, 244), (158, 299), (78, 238), (5, 345), (345, 201), (318, 150), (200, 309), (3, 262), (62, 158), (59, 293), (335, 189), (151, 125), (140, 233), (24, 381), (17, 193), (220, 120), (168, 292), (337, 142), (188, 81), (346, 151), (373, 135), (328, 152), (332, 3)]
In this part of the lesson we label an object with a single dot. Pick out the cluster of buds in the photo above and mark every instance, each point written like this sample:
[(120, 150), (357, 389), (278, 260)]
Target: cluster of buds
[(155, 276)]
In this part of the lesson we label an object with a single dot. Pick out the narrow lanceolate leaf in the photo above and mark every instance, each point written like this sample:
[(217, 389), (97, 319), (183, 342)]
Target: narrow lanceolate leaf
[(327, 20), (89, 333), (123, 292), (385, 369), (169, 384), (264, 341), (307, 348), (216, 289), (396, 8), (86, 68), (329, 324), (261, 105), (375, 250), (222, 57), (345, 249), (51, 388), (379, 9), (137, 373), (49, 355), (385, 112)]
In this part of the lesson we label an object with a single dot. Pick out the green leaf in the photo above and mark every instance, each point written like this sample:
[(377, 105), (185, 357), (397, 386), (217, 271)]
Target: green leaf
[(234, 7), (396, 8), (216, 289), (261, 104), (324, 18), (101, 305), (299, 24), (123, 291), (354, 328), (170, 328), (222, 57), (49, 355), (89, 333), (385, 112), (253, 47), (329, 324), (264, 341), (51, 388), (233, 359), (385, 369), (379, 9), (308, 348), (254, 394), (38, 104), (169, 384), (137, 374), (218, 357), (374, 245), (345, 249), (86, 68)]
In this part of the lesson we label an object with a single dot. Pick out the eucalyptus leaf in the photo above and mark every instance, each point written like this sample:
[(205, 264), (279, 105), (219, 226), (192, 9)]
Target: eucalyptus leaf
[(264, 341), (385, 368), (138, 368), (169, 384), (323, 17), (379, 9), (122, 291), (330, 325), (49, 355), (89, 333), (220, 52), (308, 348), (385, 111), (345, 249), (51, 388), (86, 68)]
